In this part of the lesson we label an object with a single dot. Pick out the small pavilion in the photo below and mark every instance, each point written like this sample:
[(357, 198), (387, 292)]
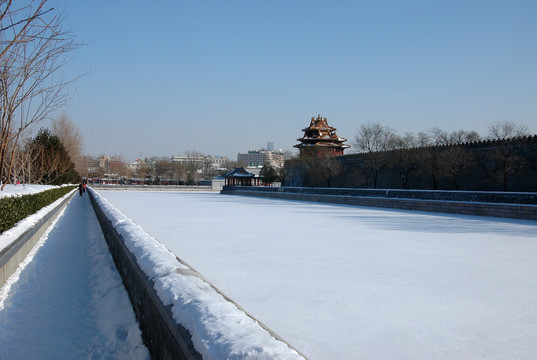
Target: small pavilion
[(241, 177)]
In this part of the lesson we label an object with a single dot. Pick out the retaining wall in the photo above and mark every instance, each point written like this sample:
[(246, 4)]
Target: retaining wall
[(164, 338), (12, 255), (155, 187), (152, 273), (495, 204)]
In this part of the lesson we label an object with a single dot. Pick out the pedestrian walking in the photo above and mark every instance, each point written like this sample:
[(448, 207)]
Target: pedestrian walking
[(80, 188)]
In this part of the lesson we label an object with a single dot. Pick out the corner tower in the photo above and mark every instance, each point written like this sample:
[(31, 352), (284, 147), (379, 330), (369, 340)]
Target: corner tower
[(320, 139)]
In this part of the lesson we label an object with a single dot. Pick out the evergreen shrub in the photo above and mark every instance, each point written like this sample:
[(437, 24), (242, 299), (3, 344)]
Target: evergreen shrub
[(15, 208)]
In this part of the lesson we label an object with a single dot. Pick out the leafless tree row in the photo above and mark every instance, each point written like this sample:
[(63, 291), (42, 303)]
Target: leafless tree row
[(191, 168), (196, 167), (435, 152), (33, 50)]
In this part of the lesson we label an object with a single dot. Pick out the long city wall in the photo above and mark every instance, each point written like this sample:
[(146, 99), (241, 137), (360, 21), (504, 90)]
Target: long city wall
[(490, 165), (12, 255), (495, 204)]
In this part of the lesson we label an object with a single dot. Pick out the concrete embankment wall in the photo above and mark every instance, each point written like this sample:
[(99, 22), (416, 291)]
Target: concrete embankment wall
[(177, 308), (164, 337), (154, 187), (12, 255), (496, 204)]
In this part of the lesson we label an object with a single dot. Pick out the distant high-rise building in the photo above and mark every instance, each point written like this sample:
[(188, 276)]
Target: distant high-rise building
[(270, 146), (258, 158)]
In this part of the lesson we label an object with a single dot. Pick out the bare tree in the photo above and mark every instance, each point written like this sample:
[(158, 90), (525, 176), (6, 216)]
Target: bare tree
[(193, 166), (373, 139), (117, 166), (208, 169), (163, 170), (177, 172), (143, 172), (64, 128), (33, 48), (454, 160), (507, 129), (404, 157), (505, 154), (21, 168), (443, 156), (463, 136), (321, 170)]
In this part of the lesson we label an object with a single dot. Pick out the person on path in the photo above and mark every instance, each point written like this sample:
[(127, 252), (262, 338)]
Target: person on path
[(80, 189)]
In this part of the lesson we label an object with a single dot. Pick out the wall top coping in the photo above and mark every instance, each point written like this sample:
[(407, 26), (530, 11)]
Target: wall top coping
[(525, 198)]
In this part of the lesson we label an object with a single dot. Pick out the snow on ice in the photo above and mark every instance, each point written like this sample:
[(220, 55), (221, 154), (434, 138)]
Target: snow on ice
[(344, 282), (220, 330), (334, 281)]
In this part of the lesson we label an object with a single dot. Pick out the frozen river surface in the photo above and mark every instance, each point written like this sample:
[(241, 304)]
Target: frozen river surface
[(341, 282)]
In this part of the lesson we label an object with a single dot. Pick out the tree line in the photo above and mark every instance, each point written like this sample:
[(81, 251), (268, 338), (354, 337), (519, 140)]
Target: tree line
[(373, 139), (52, 156), (193, 167)]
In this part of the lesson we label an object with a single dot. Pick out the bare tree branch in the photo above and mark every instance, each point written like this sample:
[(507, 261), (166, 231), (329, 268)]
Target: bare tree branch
[(33, 46)]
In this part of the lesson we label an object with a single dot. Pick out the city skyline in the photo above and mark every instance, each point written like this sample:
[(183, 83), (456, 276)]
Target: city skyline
[(222, 78)]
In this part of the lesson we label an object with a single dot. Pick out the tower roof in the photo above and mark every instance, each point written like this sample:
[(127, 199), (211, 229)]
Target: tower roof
[(320, 134)]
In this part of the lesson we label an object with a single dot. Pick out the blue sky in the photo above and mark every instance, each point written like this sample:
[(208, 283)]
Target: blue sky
[(222, 77)]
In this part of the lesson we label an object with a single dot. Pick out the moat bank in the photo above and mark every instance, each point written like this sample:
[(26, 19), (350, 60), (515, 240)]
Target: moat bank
[(497, 204)]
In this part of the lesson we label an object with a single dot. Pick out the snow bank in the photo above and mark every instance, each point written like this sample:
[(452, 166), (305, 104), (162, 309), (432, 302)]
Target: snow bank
[(6, 286), (24, 189), (10, 235), (220, 330)]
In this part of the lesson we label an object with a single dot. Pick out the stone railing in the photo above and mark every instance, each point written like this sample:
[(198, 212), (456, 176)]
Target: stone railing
[(496, 204)]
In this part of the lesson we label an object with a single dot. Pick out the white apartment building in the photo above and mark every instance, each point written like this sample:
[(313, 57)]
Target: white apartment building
[(200, 160), (261, 157)]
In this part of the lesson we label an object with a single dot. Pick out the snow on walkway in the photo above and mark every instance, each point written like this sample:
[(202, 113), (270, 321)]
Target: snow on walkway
[(68, 302), (346, 282)]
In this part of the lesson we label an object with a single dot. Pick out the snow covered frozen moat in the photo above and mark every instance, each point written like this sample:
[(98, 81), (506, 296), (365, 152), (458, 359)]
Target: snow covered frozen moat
[(68, 301), (343, 282)]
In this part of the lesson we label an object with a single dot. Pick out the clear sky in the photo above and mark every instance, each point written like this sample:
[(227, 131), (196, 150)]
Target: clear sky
[(222, 77)]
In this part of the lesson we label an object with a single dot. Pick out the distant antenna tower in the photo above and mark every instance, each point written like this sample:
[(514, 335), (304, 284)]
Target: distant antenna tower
[(270, 146)]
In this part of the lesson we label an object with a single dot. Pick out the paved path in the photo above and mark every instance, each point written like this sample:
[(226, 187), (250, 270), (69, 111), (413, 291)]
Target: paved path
[(69, 301)]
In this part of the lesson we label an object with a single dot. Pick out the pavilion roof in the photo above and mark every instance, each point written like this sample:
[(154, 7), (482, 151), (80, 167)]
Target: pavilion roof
[(239, 172)]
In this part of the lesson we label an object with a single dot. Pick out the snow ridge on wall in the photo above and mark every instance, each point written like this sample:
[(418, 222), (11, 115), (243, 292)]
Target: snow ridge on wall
[(219, 329)]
